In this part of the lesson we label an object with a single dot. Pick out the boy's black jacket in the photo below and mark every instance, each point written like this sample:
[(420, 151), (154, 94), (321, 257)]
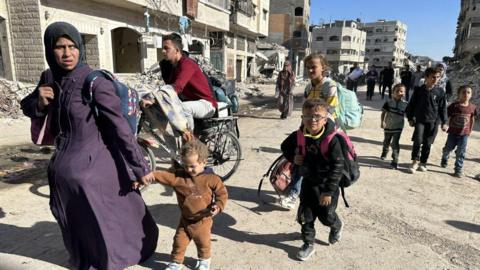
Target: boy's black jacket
[(321, 173), (427, 106)]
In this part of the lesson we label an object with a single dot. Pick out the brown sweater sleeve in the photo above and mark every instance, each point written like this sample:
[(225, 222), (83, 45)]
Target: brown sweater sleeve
[(220, 192), (165, 178)]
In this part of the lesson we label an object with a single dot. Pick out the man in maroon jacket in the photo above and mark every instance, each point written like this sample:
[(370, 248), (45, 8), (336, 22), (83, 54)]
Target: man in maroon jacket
[(187, 79)]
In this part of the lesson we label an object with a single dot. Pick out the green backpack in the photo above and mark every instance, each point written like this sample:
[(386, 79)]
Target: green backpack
[(349, 111)]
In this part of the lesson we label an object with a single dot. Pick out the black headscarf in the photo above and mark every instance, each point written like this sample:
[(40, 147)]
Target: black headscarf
[(55, 31)]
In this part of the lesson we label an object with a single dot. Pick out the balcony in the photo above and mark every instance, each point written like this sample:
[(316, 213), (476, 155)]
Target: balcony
[(214, 13)]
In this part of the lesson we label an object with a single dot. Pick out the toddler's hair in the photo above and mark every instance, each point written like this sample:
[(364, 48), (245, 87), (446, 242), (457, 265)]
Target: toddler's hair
[(430, 71), (463, 87), (195, 147), (315, 103), (397, 86), (315, 55)]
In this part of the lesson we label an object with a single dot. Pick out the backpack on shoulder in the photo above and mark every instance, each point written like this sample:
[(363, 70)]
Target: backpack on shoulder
[(351, 169), (129, 98), (349, 111), (280, 171)]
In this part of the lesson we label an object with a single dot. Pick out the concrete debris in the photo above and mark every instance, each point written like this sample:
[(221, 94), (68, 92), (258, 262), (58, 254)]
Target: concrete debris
[(465, 74), (11, 93), (270, 59)]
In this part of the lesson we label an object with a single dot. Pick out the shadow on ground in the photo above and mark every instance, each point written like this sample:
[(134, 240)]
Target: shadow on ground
[(465, 226)]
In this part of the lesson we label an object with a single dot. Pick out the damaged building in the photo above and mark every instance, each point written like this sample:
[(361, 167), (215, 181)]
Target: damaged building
[(125, 36), (467, 42)]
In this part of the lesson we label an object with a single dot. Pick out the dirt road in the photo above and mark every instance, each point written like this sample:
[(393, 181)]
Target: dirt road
[(396, 220)]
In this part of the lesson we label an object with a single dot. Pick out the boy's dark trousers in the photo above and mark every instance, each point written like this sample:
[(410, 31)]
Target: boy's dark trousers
[(370, 89), (393, 139), (309, 211), (384, 87), (424, 136)]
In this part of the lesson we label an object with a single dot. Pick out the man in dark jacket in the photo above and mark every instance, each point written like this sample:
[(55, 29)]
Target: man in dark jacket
[(320, 186), (425, 111), (406, 78), (386, 78)]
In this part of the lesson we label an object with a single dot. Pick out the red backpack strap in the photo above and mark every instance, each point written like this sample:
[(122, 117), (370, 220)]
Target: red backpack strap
[(301, 143), (325, 144)]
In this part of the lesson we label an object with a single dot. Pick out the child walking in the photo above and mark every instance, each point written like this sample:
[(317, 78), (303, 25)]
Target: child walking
[(200, 195), (461, 116), (320, 185), (320, 87), (425, 111), (393, 115)]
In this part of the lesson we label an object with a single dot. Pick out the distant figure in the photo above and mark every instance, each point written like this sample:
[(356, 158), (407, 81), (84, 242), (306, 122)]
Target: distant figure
[(284, 87), (353, 77), (386, 79), (393, 115), (444, 82), (406, 79), (417, 77), (371, 78), (461, 116), (425, 111)]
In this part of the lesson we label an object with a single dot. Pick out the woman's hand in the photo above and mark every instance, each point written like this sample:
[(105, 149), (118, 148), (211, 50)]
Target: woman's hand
[(45, 95), (148, 179), (214, 210)]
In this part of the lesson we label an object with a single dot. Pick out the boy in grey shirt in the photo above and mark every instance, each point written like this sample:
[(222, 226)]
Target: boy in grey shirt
[(393, 119)]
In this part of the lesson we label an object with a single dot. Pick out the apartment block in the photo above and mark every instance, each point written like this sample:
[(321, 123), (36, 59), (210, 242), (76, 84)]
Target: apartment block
[(386, 42), (342, 43), (467, 42), (124, 36), (289, 26)]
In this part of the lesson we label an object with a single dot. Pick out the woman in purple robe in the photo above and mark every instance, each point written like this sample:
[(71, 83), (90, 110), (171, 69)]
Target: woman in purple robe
[(104, 222)]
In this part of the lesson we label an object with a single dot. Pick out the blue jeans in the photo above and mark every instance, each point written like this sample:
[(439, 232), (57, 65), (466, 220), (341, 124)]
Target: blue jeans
[(295, 185), (459, 142)]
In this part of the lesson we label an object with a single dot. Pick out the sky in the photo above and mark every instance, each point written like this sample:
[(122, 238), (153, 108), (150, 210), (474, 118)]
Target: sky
[(431, 24)]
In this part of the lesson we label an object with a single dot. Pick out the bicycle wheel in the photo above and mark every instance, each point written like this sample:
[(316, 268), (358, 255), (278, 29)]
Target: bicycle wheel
[(225, 152)]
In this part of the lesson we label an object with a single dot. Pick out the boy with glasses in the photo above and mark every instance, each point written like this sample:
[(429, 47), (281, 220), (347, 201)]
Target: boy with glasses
[(321, 177)]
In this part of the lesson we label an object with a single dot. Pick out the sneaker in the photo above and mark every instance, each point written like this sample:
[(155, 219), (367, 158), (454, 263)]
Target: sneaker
[(288, 202), (203, 264), (444, 163), (422, 167), (394, 165), (414, 166), (335, 234), (458, 174), (305, 252), (174, 266)]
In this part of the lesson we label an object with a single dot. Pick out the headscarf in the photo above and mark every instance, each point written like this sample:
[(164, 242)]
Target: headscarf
[(55, 31), (443, 81), (286, 77)]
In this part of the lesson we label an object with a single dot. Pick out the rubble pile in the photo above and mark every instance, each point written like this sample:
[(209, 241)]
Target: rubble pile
[(270, 59), (466, 74), (248, 90), (11, 93)]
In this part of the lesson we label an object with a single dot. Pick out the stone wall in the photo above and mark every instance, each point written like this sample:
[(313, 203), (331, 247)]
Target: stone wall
[(27, 42), (91, 50)]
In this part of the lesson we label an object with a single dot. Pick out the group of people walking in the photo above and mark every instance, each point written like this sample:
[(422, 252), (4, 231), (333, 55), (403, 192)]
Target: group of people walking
[(97, 166)]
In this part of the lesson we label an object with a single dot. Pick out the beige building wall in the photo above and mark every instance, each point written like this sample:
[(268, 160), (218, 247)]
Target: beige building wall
[(8, 69), (467, 41)]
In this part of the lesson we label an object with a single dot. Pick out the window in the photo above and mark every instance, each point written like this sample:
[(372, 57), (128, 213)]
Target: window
[(332, 52), (334, 38), (377, 40), (379, 30), (368, 41), (376, 50), (346, 38), (297, 34), (376, 59), (265, 13), (319, 38), (299, 11), (395, 39)]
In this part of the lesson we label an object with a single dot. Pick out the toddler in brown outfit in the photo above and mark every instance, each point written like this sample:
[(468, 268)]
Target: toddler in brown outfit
[(200, 195)]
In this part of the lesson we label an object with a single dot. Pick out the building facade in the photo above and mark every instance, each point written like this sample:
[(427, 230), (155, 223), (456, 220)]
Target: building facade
[(125, 36), (467, 41), (386, 42), (290, 27), (342, 43)]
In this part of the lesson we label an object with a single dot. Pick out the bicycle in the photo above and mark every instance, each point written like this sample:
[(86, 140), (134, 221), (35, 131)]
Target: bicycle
[(218, 133)]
